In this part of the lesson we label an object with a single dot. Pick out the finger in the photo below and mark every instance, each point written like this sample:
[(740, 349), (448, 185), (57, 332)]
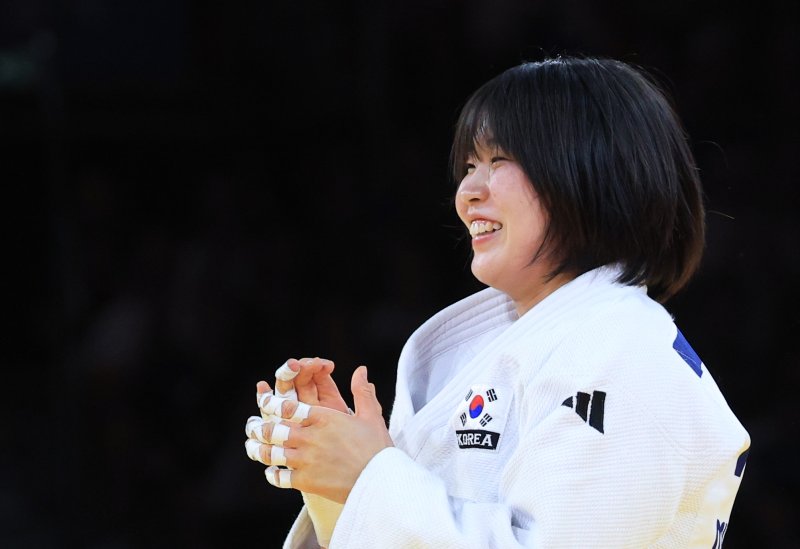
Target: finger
[(255, 429), (263, 391), (253, 450), (325, 369), (280, 478), (298, 479), (263, 396), (365, 398), (284, 379), (272, 455), (267, 431), (312, 368), (279, 434), (290, 410), (286, 372), (285, 389), (266, 453), (262, 387)]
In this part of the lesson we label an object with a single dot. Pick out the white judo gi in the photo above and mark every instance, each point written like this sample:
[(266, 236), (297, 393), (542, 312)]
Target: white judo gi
[(587, 422)]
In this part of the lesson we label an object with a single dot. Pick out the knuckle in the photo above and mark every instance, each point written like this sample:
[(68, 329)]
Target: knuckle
[(296, 459), (297, 438)]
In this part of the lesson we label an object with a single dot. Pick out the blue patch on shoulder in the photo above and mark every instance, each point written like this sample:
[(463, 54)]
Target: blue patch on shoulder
[(741, 462), (683, 348)]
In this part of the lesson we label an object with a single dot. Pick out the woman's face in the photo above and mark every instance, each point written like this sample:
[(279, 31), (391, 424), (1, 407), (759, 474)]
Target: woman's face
[(507, 222)]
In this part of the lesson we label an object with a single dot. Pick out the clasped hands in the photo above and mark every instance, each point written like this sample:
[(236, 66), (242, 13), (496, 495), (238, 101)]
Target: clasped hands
[(305, 425)]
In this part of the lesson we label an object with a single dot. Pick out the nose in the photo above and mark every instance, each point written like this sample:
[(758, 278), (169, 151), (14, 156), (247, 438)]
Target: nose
[(474, 187)]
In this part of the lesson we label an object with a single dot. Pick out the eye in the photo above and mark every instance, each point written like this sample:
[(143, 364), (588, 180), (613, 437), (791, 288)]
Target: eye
[(470, 167), (496, 159)]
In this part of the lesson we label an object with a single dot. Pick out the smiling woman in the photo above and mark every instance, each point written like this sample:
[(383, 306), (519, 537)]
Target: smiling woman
[(561, 406), (508, 224), (603, 150)]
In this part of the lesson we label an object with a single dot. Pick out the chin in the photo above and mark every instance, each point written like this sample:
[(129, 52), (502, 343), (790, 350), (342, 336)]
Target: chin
[(484, 276)]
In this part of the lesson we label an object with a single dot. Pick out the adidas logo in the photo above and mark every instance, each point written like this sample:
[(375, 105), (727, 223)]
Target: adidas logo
[(590, 408)]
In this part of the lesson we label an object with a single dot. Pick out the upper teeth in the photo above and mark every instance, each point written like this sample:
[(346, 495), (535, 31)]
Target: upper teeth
[(480, 227)]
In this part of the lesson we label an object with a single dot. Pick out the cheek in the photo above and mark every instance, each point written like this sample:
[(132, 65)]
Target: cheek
[(528, 233), (461, 209), (537, 229)]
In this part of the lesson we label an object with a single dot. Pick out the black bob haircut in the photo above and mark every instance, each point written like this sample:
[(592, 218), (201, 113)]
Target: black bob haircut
[(609, 160)]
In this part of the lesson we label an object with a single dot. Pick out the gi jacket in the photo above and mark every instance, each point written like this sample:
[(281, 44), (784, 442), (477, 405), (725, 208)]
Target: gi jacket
[(587, 422)]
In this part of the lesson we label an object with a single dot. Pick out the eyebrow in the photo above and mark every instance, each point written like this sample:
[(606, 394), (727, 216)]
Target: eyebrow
[(490, 145), (491, 142)]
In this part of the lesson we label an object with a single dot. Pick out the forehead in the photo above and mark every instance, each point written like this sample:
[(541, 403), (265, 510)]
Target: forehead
[(484, 146), (481, 131)]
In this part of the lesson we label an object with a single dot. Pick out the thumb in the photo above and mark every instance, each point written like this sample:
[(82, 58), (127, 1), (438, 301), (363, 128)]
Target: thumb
[(365, 399)]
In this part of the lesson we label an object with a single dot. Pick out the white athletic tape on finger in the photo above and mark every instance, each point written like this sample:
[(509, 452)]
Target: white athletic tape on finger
[(270, 473), (277, 456), (250, 421), (280, 434), (301, 413), (262, 397), (252, 448), (273, 406), (255, 428), (284, 373), (284, 477)]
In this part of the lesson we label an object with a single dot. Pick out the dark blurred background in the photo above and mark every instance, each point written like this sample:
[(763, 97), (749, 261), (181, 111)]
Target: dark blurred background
[(195, 191)]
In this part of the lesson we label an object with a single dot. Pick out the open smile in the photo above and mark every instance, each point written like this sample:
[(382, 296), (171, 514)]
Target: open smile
[(480, 228)]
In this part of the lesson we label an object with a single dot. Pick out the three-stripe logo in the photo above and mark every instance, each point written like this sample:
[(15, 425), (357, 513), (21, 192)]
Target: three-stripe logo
[(590, 408)]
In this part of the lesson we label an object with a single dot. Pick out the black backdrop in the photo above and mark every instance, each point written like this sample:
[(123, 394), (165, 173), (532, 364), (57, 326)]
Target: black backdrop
[(194, 191)]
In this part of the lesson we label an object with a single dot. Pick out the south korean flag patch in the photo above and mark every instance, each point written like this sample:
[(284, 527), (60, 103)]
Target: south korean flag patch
[(481, 417)]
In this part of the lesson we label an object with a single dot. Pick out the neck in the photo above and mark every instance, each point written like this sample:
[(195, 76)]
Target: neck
[(525, 303)]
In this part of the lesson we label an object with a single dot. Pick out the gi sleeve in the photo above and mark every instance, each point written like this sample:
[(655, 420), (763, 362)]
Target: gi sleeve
[(397, 503), (301, 535)]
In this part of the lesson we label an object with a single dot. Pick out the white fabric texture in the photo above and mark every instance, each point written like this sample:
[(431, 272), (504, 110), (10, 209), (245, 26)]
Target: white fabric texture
[(604, 434)]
